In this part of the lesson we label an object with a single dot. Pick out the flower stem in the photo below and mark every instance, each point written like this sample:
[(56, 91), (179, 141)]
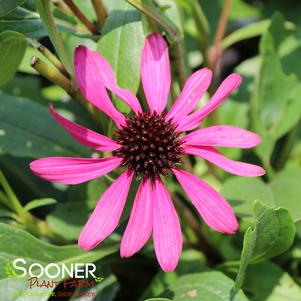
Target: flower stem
[(100, 11), (52, 59), (202, 27), (53, 75), (173, 33), (62, 6), (45, 12), (31, 223), (12, 201), (50, 73), (89, 25), (216, 50)]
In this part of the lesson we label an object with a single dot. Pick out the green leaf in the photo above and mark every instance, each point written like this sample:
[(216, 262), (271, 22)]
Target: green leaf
[(158, 299), (70, 216), (272, 234), (191, 262), (284, 190), (34, 134), (207, 286), (25, 20), (16, 243), (105, 290), (8, 6), (12, 49), (250, 31), (287, 191), (38, 203), (121, 44), (266, 281), (276, 102), (241, 193)]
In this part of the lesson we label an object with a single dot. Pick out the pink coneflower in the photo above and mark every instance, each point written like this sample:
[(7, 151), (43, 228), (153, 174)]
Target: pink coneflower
[(149, 145)]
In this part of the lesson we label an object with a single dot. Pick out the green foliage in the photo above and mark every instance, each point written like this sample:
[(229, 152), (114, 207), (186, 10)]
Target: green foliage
[(206, 286), (284, 190), (266, 281), (8, 6), (122, 44), (276, 104), (34, 134), (38, 203), (272, 234), (12, 49), (15, 243), (41, 221)]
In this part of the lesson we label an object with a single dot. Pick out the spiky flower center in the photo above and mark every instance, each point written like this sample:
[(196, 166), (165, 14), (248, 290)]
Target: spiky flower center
[(150, 145)]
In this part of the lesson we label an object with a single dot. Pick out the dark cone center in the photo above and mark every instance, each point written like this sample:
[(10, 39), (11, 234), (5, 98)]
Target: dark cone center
[(150, 145)]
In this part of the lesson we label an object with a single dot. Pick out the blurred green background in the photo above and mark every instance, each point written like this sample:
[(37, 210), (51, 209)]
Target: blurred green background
[(41, 221)]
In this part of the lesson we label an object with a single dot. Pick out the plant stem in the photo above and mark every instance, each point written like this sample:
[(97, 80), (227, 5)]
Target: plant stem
[(45, 12), (202, 28), (62, 6), (89, 25), (52, 59), (100, 11), (61, 80), (14, 203), (172, 32), (216, 50), (50, 73)]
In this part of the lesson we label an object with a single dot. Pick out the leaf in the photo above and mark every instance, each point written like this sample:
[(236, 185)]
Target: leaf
[(207, 286), (158, 299), (276, 102), (7, 6), (12, 49), (267, 281), (121, 44), (70, 216), (6, 213), (38, 203), (191, 262), (241, 193), (284, 190), (287, 190), (25, 20), (106, 290), (272, 234), (250, 31), (16, 243), (34, 134)]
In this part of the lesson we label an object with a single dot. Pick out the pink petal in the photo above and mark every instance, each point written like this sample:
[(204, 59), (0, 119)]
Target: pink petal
[(234, 167), (109, 81), (139, 227), (155, 72), (192, 121), (85, 136), (167, 234), (88, 70), (195, 86), (73, 170), (107, 213), (222, 135), (213, 208)]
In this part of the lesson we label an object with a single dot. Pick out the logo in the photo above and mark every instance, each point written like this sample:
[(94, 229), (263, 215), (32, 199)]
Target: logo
[(75, 275)]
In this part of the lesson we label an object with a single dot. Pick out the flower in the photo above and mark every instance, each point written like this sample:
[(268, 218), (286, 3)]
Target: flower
[(150, 144)]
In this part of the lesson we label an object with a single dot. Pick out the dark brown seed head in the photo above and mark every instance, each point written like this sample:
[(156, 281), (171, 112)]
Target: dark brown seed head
[(150, 145)]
